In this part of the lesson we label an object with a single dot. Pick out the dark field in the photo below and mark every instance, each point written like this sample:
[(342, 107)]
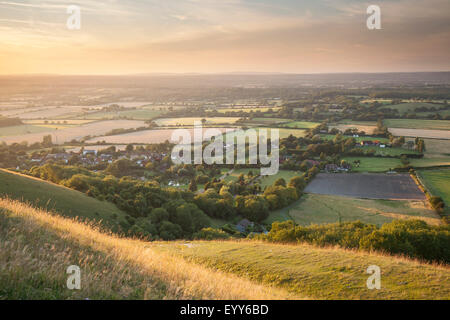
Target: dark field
[(372, 186)]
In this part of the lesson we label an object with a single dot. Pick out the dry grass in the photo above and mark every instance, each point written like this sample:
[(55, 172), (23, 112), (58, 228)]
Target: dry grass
[(37, 247)]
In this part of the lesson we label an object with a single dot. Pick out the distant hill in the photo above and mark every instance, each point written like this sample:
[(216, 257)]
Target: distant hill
[(65, 201), (39, 247)]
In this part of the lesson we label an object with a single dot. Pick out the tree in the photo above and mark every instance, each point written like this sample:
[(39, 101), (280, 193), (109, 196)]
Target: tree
[(47, 141), (280, 182), (129, 148), (192, 186)]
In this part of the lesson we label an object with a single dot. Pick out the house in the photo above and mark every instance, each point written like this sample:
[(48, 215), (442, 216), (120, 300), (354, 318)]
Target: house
[(86, 152), (331, 167), (243, 225)]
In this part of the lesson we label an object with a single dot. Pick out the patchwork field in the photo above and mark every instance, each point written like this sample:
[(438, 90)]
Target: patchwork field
[(136, 114), (323, 209), (417, 124), (247, 109), (283, 132), (409, 107), (150, 136), (77, 132), (369, 185), (46, 112), (190, 121), (23, 129)]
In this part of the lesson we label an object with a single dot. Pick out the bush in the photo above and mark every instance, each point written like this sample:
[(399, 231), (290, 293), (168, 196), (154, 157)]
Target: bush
[(211, 234), (413, 238)]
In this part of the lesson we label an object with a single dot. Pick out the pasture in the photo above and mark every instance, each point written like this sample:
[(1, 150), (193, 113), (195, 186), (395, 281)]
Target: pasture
[(287, 175), (136, 114), (301, 124), (23, 129), (437, 183), (323, 209), (366, 185), (373, 164), (422, 133), (409, 107), (417, 124)]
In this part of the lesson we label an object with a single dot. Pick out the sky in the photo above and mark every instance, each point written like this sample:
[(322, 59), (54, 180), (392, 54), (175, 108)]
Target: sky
[(216, 36)]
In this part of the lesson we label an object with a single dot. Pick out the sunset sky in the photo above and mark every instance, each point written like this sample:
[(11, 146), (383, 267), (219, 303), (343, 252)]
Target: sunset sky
[(209, 36)]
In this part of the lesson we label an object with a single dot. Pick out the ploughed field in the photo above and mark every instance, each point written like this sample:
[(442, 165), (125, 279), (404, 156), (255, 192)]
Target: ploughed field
[(366, 185)]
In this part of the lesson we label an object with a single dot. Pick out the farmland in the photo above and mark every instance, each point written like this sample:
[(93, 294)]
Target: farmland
[(301, 124), (373, 164), (75, 132), (148, 136), (266, 181), (367, 128), (417, 124), (190, 121), (372, 186), (409, 107), (23, 129), (422, 133), (323, 209), (437, 183), (136, 114)]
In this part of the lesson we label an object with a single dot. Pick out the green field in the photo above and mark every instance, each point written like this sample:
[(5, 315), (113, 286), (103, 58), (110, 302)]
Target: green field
[(373, 164), (283, 132), (429, 162), (189, 121), (285, 174), (418, 124), (301, 124), (318, 273), (136, 114), (409, 107), (23, 129), (267, 121), (235, 173), (50, 196), (322, 209), (437, 183)]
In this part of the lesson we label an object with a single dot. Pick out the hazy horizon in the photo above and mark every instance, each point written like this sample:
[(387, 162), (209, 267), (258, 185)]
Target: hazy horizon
[(231, 36)]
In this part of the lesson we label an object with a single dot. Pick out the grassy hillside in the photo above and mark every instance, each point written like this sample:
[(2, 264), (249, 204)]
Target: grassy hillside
[(317, 272), (39, 247), (63, 200), (36, 248)]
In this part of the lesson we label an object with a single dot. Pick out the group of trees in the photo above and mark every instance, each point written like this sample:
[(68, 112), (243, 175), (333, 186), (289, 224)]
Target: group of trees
[(413, 238)]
